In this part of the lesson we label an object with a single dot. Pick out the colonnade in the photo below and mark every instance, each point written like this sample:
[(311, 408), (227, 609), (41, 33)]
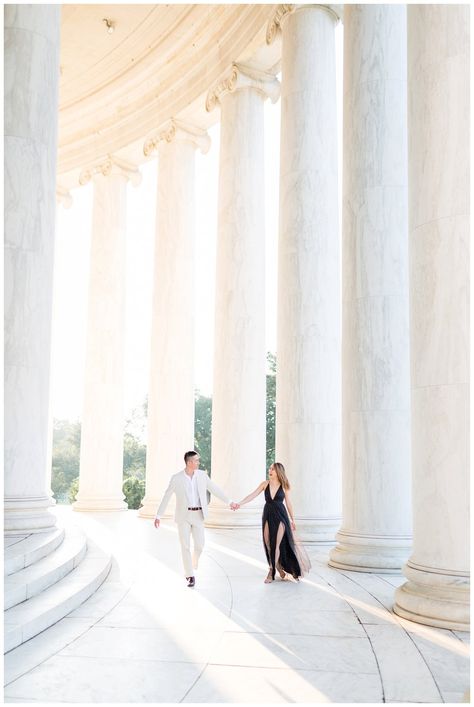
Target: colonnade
[(102, 424), (308, 386), (238, 399), (437, 590), (372, 373), (171, 391), (376, 527), (31, 124)]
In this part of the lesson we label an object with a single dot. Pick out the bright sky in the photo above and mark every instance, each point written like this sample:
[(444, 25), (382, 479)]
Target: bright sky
[(71, 277)]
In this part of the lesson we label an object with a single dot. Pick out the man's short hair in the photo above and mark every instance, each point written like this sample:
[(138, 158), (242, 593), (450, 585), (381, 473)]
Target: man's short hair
[(188, 455)]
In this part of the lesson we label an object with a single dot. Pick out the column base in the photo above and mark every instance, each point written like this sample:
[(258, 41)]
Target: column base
[(23, 516), (91, 504), (370, 553), (434, 598), (223, 517), (150, 506), (317, 530)]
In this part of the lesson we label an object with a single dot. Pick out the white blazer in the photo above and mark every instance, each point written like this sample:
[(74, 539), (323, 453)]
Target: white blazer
[(177, 486)]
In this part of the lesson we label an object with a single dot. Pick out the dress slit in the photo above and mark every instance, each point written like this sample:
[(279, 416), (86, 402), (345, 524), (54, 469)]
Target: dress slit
[(281, 550), (279, 537)]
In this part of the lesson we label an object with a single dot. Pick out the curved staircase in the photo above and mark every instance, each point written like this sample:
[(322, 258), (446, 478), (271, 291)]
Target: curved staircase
[(48, 575)]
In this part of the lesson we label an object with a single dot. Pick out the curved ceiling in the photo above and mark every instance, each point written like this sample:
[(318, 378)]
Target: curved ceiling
[(117, 87)]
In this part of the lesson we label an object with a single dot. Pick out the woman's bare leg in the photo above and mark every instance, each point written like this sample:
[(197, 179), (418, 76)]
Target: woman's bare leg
[(280, 534), (266, 540)]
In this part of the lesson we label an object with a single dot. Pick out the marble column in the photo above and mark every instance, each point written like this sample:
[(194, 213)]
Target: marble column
[(376, 528), (437, 590), (101, 462), (171, 392), (239, 397), (308, 407), (32, 39)]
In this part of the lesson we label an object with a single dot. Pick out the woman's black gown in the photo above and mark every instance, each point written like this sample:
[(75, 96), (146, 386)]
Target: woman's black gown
[(293, 558)]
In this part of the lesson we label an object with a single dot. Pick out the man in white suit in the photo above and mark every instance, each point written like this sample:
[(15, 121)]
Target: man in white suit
[(190, 487)]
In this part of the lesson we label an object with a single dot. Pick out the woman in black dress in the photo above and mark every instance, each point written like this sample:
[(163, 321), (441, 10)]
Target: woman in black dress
[(284, 553)]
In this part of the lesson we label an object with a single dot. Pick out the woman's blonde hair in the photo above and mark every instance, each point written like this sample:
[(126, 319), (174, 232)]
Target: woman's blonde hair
[(281, 474)]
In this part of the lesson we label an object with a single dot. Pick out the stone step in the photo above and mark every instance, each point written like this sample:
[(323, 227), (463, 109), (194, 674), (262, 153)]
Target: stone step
[(13, 539), (35, 578), (34, 615), (30, 549)]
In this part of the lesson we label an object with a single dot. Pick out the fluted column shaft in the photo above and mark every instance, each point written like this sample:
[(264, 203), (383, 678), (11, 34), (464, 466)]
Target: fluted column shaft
[(171, 392), (31, 109), (101, 460), (308, 408), (238, 402), (437, 591), (376, 528)]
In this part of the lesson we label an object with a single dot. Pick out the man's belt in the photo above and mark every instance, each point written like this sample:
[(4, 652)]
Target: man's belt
[(196, 508)]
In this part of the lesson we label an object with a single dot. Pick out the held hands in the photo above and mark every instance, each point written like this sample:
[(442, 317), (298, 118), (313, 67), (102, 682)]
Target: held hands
[(234, 506)]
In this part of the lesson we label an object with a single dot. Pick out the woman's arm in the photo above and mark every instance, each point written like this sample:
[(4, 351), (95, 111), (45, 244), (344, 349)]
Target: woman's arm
[(253, 495), (289, 505)]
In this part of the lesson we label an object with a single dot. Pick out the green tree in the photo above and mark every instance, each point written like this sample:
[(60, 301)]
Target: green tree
[(73, 490), (203, 429), (134, 491), (67, 442), (66, 455), (65, 458), (271, 407), (137, 422), (134, 456)]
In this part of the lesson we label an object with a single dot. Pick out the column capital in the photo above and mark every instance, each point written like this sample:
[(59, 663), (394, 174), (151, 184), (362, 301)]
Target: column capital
[(274, 25), (111, 166), (283, 11), (63, 196), (176, 130), (243, 76)]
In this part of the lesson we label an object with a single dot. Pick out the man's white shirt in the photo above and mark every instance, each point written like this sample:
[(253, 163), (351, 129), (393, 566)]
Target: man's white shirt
[(192, 491), (188, 488)]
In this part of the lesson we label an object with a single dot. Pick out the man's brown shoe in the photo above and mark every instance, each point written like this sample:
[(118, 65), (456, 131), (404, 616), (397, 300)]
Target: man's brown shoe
[(191, 581)]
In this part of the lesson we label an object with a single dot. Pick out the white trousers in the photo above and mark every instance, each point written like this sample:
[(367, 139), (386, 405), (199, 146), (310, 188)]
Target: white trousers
[(193, 525)]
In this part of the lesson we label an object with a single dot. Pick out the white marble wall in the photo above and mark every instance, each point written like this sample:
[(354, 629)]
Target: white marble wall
[(308, 407), (101, 463), (171, 393), (376, 528), (31, 105), (239, 399), (437, 592)]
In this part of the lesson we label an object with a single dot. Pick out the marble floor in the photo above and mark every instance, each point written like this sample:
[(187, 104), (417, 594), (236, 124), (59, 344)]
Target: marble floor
[(145, 637)]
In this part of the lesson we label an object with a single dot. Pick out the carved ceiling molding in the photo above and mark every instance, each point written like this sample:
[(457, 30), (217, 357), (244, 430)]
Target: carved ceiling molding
[(244, 76), (176, 130), (117, 90), (111, 166)]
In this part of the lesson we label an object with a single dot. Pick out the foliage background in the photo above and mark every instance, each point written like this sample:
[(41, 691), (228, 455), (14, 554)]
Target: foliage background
[(67, 446)]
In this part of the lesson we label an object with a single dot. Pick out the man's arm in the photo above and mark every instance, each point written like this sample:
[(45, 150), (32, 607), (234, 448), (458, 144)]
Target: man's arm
[(164, 502), (217, 491)]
